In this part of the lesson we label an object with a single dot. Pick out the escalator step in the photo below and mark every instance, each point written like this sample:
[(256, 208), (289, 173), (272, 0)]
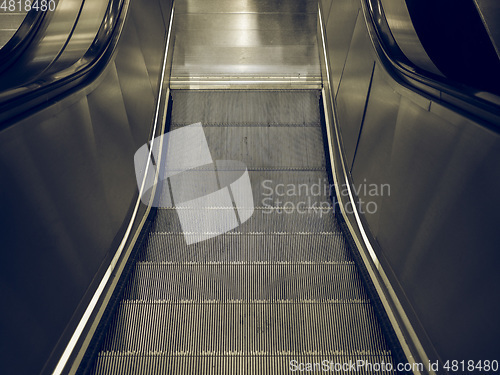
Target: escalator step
[(257, 327), (268, 147), (305, 188), (114, 363), (263, 220), (246, 108), (243, 281), (256, 247)]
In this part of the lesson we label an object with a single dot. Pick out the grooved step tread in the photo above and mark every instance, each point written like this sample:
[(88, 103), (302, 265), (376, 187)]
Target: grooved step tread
[(240, 281), (263, 220), (271, 327), (248, 247), (246, 108), (114, 363)]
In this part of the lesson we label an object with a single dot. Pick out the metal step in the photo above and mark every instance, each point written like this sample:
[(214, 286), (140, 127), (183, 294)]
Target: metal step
[(263, 220), (236, 281), (255, 108), (257, 327), (118, 363), (249, 247)]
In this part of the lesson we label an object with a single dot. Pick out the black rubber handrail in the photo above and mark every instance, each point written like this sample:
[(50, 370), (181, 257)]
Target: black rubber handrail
[(484, 107), (21, 38), (20, 102)]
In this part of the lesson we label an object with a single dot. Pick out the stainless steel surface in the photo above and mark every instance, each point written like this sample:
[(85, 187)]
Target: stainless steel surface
[(83, 34), (45, 48), (66, 191), (405, 35), (489, 10), (375, 142), (339, 31), (432, 243), (252, 6), (354, 88), (245, 43), (9, 23)]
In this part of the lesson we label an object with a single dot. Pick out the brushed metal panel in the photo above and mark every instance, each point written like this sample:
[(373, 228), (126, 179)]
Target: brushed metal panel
[(354, 88), (114, 144), (50, 192), (46, 47), (245, 21), (244, 46), (150, 46), (286, 60), (440, 227), (249, 38), (83, 34), (135, 84), (67, 183), (339, 30), (246, 6), (372, 165)]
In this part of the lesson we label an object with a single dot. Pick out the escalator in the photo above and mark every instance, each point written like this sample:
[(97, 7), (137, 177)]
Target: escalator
[(315, 104), (278, 293)]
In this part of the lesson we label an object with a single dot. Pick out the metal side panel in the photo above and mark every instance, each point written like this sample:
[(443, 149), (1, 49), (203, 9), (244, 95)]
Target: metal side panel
[(450, 164), (148, 20), (50, 193), (342, 18), (354, 88), (67, 188), (138, 94), (114, 143), (373, 158)]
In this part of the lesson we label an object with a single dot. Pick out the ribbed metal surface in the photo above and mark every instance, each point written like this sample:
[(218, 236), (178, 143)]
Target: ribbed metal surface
[(250, 247), (238, 281), (115, 363), (264, 220), (244, 327), (268, 147), (256, 108), (280, 287)]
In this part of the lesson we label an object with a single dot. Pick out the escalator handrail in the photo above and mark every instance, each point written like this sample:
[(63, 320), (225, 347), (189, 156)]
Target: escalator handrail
[(482, 106), (21, 38), (20, 102)]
